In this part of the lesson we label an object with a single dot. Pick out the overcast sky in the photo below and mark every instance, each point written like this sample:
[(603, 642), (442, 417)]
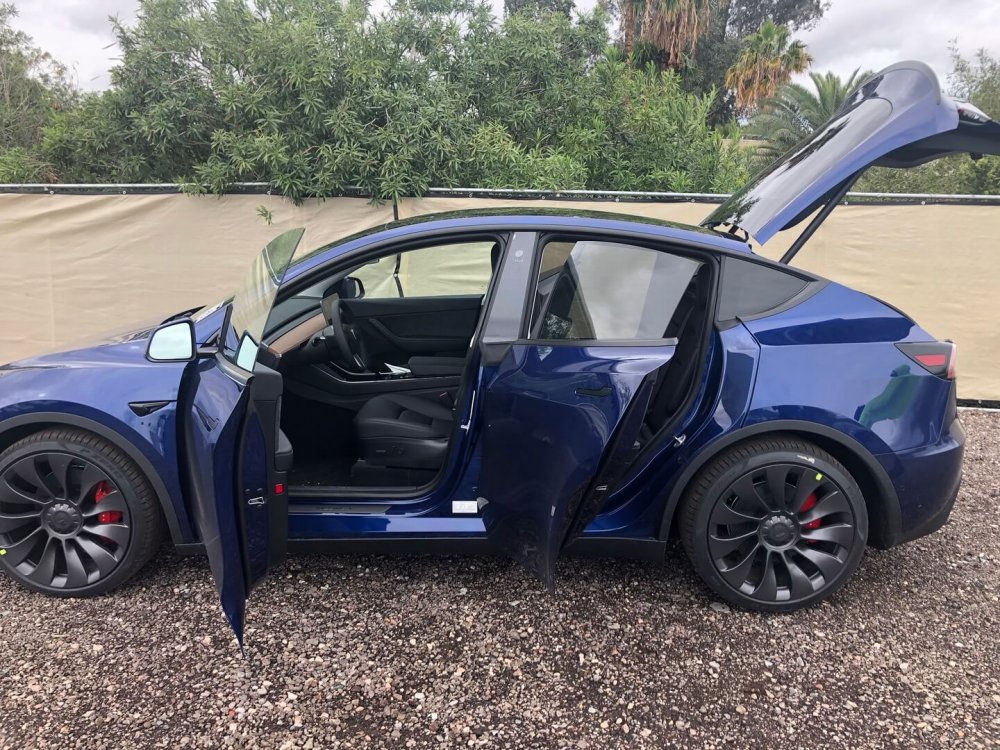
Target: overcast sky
[(852, 33)]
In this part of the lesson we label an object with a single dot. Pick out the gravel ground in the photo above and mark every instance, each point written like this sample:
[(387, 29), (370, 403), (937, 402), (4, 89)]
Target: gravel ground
[(417, 652)]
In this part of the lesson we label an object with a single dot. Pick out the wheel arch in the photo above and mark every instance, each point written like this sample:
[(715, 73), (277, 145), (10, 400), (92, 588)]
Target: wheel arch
[(15, 428), (879, 494)]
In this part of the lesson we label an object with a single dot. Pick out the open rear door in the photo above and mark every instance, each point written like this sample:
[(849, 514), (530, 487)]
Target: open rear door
[(897, 118), (230, 427), (564, 396), (551, 418)]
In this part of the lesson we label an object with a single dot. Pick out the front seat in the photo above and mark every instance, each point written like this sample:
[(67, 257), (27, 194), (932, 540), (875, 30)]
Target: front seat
[(403, 431)]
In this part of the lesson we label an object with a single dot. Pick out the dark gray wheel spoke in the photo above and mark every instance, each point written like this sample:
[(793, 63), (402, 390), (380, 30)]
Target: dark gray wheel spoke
[(113, 501), (17, 552), (737, 573), (829, 565), (15, 496), (45, 571), (727, 516), (827, 505), (90, 478), (11, 521), (725, 545), (767, 589), (102, 558), (60, 463), (116, 532), (76, 572), (800, 584), (746, 490), (838, 533), (776, 486), (27, 470)]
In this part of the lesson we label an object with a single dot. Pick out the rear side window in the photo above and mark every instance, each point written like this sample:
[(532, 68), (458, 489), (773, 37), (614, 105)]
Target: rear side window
[(591, 290), (751, 289)]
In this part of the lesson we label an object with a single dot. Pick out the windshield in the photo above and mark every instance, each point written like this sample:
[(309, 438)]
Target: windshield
[(252, 302)]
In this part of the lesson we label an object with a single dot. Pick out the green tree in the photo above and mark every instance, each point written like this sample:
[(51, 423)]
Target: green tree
[(33, 86), (537, 7), (746, 16), (724, 37), (645, 133), (314, 97), (768, 60), (795, 112)]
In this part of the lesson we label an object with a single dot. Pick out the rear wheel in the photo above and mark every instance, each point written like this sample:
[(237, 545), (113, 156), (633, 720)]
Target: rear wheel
[(774, 524), (77, 516)]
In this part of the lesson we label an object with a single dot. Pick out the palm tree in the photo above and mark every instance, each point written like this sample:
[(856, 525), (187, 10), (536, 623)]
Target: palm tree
[(672, 27), (795, 111), (769, 59), (628, 25)]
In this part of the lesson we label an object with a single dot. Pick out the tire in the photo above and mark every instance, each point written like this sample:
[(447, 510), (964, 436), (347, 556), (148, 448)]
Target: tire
[(774, 524), (77, 517)]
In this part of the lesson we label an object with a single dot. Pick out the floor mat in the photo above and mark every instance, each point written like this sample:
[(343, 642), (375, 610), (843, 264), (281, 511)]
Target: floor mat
[(321, 473)]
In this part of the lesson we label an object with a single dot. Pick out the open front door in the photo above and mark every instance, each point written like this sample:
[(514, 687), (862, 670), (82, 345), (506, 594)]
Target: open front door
[(230, 414)]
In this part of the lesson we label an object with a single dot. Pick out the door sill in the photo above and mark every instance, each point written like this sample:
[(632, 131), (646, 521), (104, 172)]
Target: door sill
[(652, 550), (395, 493), (356, 509)]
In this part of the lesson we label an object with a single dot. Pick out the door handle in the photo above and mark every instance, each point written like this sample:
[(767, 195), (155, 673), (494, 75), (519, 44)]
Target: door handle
[(596, 392)]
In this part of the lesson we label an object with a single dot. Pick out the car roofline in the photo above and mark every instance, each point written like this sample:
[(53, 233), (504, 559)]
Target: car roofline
[(534, 219)]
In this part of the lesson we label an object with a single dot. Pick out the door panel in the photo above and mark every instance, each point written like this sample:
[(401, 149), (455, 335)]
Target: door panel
[(393, 330), (229, 414), (213, 430), (548, 415)]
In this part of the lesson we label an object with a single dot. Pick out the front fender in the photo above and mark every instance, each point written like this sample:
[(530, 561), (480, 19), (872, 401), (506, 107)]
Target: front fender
[(96, 399)]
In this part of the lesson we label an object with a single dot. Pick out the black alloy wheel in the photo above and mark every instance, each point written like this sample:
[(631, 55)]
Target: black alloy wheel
[(76, 515), (775, 524)]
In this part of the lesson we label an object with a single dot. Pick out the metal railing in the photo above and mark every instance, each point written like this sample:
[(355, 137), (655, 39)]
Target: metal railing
[(264, 188)]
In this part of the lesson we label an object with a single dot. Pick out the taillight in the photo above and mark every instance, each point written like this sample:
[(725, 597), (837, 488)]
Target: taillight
[(937, 357)]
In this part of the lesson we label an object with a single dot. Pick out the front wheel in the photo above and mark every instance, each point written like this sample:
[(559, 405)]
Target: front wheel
[(774, 524), (77, 516)]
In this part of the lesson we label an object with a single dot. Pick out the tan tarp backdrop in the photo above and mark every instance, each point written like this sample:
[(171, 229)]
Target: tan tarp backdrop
[(72, 265)]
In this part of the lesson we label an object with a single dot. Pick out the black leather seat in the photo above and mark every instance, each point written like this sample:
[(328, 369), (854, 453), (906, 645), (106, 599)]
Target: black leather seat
[(403, 431)]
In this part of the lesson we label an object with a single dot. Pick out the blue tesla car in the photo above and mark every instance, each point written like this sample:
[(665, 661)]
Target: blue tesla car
[(584, 382)]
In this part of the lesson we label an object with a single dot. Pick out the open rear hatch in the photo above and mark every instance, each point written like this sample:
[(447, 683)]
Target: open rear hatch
[(896, 118)]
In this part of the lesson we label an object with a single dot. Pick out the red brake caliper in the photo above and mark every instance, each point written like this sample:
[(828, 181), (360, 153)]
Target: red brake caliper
[(808, 505), (108, 516)]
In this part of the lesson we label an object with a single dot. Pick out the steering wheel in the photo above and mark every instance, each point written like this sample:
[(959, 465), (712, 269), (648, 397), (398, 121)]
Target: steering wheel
[(345, 347)]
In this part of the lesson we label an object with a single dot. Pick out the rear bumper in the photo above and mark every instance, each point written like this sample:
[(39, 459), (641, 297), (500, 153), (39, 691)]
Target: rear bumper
[(927, 481)]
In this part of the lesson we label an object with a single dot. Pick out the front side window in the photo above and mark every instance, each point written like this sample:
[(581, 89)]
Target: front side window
[(458, 268), (593, 289)]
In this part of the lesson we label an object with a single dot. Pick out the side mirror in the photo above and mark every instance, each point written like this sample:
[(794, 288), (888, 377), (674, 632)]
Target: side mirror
[(172, 342), (350, 287)]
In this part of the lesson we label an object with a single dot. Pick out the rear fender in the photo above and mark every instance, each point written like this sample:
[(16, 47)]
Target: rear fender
[(880, 495)]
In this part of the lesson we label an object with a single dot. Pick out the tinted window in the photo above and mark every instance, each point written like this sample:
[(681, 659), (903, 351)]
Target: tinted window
[(608, 290), (751, 289)]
